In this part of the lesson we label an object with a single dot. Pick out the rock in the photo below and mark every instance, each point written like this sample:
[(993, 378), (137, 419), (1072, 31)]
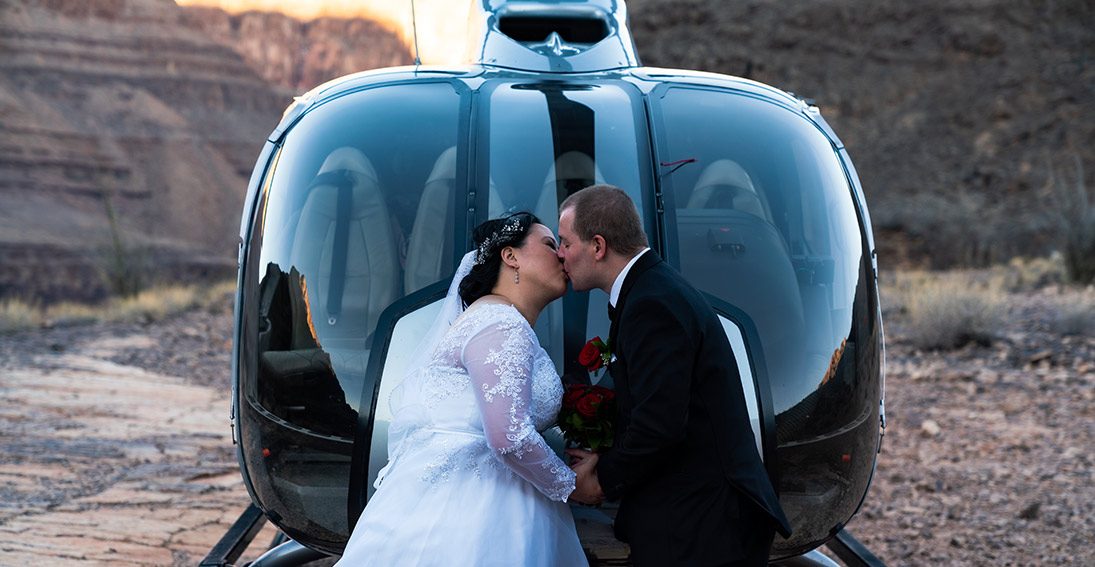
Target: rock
[(121, 108), (1040, 356), (1030, 512), (300, 54), (117, 501)]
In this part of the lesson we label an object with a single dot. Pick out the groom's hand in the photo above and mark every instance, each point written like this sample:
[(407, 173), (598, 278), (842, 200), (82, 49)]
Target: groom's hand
[(587, 489)]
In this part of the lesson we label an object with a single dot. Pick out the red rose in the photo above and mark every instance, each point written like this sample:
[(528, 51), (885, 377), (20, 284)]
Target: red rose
[(574, 393), (587, 406), (587, 416), (590, 357)]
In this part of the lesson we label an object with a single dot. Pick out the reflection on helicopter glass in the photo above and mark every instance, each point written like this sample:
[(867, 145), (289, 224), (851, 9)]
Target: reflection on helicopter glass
[(302, 387)]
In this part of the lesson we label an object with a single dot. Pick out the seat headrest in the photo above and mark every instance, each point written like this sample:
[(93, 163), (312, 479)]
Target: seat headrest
[(725, 172), (444, 167), (576, 165), (348, 158)]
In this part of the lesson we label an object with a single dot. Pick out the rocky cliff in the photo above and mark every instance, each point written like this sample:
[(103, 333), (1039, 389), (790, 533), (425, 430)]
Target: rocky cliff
[(145, 113), (966, 120), (300, 55)]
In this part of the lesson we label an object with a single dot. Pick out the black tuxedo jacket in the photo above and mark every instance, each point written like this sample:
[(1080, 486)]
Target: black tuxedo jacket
[(684, 465)]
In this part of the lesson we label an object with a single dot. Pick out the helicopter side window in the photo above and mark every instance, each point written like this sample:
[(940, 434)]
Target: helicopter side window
[(765, 223), (360, 213), (357, 212)]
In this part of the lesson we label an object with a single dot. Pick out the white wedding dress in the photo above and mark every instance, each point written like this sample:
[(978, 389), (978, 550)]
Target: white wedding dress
[(470, 481)]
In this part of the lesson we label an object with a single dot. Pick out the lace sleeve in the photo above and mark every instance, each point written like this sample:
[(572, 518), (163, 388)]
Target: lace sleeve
[(499, 361)]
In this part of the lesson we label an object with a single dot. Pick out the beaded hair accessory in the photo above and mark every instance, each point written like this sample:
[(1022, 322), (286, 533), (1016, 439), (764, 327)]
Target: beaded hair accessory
[(511, 228)]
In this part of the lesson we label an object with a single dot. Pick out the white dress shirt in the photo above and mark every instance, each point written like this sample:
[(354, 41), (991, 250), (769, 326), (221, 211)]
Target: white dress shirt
[(619, 283)]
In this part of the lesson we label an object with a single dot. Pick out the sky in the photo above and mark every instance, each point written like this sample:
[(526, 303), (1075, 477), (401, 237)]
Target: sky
[(441, 23)]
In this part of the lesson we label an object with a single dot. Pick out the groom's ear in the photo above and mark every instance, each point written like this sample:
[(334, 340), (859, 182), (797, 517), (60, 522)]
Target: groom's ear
[(600, 247)]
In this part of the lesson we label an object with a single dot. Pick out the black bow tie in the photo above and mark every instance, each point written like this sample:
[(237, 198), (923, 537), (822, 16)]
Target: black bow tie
[(611, 312)]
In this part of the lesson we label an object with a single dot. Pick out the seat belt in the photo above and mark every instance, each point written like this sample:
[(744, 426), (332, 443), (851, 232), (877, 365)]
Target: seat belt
[(344, 181)]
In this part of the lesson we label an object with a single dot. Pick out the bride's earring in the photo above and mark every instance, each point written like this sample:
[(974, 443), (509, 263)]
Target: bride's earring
[(516, 277)]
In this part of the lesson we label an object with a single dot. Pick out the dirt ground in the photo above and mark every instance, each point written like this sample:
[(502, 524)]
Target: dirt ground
[(117, 450)]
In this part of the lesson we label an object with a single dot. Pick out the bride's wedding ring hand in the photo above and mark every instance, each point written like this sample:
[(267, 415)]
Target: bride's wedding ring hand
[(587, 489)]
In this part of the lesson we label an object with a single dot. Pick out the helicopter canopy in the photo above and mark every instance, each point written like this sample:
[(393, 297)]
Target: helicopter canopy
[(365, 201)]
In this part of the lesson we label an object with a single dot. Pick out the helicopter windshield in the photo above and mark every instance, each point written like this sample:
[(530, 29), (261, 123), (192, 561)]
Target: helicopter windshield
[(547, 140)]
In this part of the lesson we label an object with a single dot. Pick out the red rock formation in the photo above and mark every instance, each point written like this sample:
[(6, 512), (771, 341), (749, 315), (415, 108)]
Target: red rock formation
[(147, 110), (301, 55)]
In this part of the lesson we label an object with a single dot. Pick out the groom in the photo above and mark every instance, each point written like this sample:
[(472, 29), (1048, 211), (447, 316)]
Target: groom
[(692, 488)]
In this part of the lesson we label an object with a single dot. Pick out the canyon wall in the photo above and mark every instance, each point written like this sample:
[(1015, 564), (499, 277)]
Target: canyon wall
[(129, 129), (969, 122)]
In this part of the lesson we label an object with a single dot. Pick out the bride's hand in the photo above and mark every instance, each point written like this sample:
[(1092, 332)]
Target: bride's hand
[(587, 489), (579, 455)]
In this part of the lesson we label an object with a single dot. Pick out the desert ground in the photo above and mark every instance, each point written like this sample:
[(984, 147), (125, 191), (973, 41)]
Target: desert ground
[(117, 447)]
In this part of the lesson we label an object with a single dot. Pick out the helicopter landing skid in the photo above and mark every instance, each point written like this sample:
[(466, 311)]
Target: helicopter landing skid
[(285, 552)]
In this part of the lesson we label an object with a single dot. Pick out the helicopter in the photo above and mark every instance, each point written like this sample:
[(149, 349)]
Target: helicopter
[(364, 197)]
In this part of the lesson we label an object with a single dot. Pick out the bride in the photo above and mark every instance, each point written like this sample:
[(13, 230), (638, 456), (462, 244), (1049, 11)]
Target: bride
[(470, 481)]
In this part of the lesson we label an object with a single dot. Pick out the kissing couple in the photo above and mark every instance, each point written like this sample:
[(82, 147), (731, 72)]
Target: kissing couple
[(470, 480)]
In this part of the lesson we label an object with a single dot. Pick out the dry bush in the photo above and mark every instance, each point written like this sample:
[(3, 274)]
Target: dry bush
[(218, 296), (155, 304), (949, 310), (149, 305), (18, 315), (1028, 274), (1075, 314), (70, 314), (125, 268), (1074, 210), (960, 229)]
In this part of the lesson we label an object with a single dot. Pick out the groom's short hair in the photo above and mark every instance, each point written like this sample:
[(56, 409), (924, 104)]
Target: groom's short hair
[(609, 211)]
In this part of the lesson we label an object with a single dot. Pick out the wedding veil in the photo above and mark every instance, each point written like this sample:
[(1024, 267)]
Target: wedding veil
[(451, 309), (407, 400)]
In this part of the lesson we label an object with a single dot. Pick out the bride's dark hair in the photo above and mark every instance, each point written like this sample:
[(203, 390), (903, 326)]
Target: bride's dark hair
[(490, 238)]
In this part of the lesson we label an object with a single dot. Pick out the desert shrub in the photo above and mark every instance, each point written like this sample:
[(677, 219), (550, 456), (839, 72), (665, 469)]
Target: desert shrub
[(1074, 209), (69, 314), (1026, 274), (895, 287), (149, 305), (155, 304), (218, 296), (125, 268), (125, 271), (949, 310), (18, 315), (960, 229), (1075, 315)]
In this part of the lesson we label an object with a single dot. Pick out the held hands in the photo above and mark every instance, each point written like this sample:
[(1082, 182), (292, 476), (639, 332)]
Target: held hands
[(587, 489)]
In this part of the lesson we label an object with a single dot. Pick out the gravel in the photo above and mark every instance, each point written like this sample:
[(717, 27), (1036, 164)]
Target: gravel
[(986, 458)]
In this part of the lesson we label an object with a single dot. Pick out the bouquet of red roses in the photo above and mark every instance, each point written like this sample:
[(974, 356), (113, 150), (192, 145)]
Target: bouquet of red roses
[(588, 415)]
